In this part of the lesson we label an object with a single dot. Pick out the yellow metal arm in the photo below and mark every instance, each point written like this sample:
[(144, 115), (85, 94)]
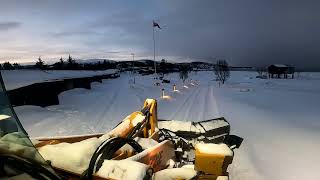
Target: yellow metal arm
[(153, 118)]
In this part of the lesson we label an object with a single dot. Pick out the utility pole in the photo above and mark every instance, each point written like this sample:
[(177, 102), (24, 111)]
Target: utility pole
[(134, 78)]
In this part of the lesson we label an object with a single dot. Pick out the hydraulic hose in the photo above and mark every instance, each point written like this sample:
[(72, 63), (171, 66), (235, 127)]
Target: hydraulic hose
[(106, 151)]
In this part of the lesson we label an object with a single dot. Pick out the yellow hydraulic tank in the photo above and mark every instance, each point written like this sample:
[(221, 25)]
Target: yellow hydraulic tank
[(213, 158)]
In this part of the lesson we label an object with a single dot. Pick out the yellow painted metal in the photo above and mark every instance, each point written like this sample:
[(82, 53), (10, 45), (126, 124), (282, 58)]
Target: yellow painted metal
[(153, 119), (214, 164), (123, 129)]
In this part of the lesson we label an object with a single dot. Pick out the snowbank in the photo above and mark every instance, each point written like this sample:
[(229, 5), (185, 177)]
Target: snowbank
[(175, 173), (74, 157), (18, 78)]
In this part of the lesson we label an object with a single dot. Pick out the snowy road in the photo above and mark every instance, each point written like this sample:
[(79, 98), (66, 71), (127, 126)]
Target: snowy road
[(100, 109), (278, 119)]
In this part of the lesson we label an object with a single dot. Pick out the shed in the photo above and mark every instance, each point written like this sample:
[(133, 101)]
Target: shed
[(280, 69)]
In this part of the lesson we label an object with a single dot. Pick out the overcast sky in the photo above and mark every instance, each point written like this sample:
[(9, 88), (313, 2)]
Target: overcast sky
[(245, 32)]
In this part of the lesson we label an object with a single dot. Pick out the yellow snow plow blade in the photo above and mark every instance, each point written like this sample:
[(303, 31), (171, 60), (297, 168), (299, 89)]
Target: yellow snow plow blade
[(151, 104), (213, 158)]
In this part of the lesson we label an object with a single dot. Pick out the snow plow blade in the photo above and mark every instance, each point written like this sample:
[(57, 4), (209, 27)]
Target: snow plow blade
[(207, 131)]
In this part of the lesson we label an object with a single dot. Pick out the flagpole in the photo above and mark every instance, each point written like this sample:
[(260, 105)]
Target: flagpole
[(154, 53), (134, 71)]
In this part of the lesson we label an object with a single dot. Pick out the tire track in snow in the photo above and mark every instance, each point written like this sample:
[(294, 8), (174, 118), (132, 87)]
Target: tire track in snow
[(108, 115), (211, 105), (119, 108), (192, 112), (96, 107), (97, 97), (102, 116), (174, 114), (200, 104), (97, 113), (139, 96), (184, 109), (207, 100)]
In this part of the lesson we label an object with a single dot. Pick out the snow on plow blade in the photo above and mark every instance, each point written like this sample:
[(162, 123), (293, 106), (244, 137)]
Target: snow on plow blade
[(213, 130), (208, 131)]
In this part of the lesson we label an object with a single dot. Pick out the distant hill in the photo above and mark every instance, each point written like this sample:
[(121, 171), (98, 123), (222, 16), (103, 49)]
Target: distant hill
[(93, 61)]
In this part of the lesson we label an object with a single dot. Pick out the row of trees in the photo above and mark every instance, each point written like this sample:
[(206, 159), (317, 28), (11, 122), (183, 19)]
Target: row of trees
[(71, 64), (68, 64), (9, 66), (221, 68)]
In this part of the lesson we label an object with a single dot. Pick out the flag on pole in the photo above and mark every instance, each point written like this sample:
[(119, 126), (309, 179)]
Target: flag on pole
[(156, 25)]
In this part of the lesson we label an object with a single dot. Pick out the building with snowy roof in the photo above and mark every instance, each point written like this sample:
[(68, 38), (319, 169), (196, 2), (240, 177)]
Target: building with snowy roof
[(280, 70)]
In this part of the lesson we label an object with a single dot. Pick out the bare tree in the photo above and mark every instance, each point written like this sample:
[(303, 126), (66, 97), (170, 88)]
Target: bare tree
[(260, 71), (184, 72), (222, 71), (163, 68)]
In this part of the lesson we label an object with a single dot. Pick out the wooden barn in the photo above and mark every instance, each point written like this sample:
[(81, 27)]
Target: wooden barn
[(280, 70)]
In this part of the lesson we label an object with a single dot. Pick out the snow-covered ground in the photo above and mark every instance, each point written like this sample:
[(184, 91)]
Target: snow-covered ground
[(278, 118), (18, 78)]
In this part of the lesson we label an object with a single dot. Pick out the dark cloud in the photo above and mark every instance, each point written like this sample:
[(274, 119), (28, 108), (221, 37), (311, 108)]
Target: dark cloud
[(5, 26), (247, 32)]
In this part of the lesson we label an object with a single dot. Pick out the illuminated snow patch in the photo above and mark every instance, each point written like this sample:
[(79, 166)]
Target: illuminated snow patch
[(166, 97), (123, 169), (214, 149), (175, 173)]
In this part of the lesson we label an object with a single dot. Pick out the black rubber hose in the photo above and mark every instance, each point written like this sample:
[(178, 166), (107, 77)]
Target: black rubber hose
[(106, 151)]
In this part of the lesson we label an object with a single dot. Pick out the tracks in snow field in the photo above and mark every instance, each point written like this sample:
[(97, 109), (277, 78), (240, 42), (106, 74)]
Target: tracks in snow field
[(199, 104), (105, 105)]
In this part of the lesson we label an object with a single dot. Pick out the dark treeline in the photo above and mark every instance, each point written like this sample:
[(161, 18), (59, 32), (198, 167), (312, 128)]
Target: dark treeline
[(71, 64), (140, 66), (9, 66), (68, 64)]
